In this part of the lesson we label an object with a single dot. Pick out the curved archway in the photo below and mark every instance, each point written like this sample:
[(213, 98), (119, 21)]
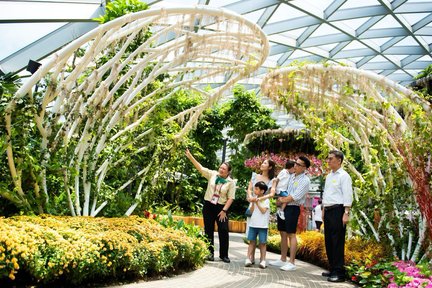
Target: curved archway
[(387, 125), (102, 89)]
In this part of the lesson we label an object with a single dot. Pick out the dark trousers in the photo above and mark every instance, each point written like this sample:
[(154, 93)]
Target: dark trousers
[(334, 233), (210, 215)]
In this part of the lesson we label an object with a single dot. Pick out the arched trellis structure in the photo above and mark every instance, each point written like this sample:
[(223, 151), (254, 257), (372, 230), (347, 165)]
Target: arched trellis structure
[(274, 132), (102, 88), (388, 125)]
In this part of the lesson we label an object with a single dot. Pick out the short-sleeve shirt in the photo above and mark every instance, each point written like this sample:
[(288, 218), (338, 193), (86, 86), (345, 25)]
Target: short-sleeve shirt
[(284, 177), (298, 187), (225, 191), (258, 219)]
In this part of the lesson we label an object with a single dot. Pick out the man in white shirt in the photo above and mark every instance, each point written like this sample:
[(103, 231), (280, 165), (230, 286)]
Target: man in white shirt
[(337, 201)]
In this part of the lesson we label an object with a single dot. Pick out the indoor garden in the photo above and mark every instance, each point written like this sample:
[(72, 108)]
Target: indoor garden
[(95, 185)]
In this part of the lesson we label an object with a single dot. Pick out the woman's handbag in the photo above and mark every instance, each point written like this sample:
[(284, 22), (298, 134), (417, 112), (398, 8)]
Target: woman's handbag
[(248, 212)]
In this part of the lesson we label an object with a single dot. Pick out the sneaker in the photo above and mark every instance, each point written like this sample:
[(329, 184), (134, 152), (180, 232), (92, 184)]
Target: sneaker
[(248, 263), (281, 214), (278, 263), (262, 264), (288, 267)]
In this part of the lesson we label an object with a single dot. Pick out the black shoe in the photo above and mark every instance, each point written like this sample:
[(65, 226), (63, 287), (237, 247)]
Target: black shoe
[(210, 258), (225, 259), (326, 274), (336, 279)]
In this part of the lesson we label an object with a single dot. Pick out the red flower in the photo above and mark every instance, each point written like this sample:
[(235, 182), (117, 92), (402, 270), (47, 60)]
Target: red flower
[(354, 278)]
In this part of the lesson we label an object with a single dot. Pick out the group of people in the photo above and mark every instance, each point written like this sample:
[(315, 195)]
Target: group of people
[(290, 187)]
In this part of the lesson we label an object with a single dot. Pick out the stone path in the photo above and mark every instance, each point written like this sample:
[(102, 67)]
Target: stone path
[(219, 274)]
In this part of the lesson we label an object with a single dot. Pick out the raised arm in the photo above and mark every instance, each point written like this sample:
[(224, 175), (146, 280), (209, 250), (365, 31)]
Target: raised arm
[(197, 165), (249, 192)]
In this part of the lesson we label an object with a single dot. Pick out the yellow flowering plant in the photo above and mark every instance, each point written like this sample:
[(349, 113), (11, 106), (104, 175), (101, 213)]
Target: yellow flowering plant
[(74, 250)]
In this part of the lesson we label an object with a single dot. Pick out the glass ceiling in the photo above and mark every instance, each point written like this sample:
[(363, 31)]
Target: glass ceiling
[(391, 38)]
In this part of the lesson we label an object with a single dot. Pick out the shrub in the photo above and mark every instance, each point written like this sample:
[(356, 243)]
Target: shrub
[(311, 248), (74, 250)]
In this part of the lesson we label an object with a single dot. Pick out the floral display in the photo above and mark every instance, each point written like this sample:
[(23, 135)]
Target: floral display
[(255, 162), (390, 274)]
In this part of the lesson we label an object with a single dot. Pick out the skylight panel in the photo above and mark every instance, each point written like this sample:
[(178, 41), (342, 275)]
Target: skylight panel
[(294, 34), (299, 54), (407, 41), (285, 12), (327, 47), (357, 4), (324, 29), (425, 58), (254, 16), (14, 37), (352, 23), (354, 45), (378, 58), (46, 10), (413, 18), (387, 22)]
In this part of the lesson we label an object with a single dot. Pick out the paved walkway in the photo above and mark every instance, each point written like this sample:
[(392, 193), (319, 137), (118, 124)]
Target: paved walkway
[(219, 274)]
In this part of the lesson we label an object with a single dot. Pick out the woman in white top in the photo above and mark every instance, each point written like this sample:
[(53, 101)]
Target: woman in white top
[(267, 174)]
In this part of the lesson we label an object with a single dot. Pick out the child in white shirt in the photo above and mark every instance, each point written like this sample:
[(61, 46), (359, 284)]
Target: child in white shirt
[(281, 185), (258, 225)]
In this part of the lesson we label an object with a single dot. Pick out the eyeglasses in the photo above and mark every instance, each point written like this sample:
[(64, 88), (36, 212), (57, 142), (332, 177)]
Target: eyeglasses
[(301, 165)]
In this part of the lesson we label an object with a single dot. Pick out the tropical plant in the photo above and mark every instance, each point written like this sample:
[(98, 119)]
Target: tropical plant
[(384, 131)]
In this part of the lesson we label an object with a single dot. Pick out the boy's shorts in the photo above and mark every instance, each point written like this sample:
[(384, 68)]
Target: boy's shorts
[(260, 232)]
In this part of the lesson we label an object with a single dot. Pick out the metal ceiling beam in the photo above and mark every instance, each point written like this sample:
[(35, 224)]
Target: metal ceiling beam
[(368, 24), (333, 7), (357, 12), (415, 7), (410, 59), (287, 25), (277, 49), (345, 31), (405, 25), (391, 42), (339, 47), (422, 23), (268, 12), (402, 50), (362, 52)]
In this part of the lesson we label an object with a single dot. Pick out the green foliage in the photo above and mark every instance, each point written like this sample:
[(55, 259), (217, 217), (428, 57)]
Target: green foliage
[(118, 8), (425, 72), (245, 114)]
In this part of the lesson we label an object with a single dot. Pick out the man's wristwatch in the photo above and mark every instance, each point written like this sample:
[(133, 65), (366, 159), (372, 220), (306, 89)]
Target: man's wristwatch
[(346, 212)]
